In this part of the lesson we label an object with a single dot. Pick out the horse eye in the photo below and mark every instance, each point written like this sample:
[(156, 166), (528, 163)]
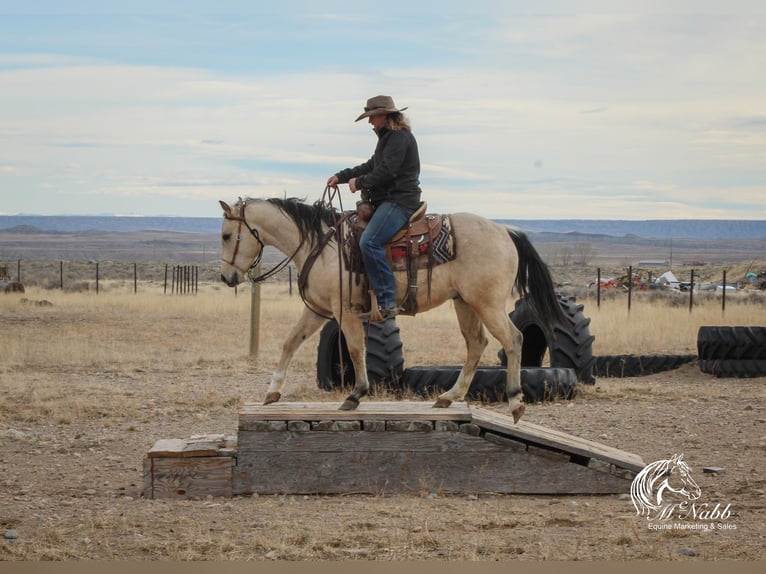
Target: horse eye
[(226, 236)]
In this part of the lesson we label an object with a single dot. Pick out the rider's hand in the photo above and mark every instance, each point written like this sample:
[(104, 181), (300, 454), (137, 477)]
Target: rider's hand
[(332, 181), (352, 185)]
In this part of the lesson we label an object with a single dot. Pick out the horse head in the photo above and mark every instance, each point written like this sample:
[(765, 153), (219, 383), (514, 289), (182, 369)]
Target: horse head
[(241, 245)]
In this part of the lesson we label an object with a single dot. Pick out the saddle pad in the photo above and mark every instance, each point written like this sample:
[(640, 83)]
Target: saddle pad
[(444, 243)]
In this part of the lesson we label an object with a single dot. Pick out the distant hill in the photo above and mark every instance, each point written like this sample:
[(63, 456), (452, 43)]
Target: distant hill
[(649, 229), (579, 228)]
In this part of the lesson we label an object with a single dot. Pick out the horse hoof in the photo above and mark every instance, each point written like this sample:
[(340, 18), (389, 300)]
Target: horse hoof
[(349, 405), (518, 412), (272, 398), (442, 403)]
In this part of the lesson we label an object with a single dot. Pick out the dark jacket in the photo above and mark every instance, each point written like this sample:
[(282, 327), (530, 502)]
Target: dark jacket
[(392, 173)]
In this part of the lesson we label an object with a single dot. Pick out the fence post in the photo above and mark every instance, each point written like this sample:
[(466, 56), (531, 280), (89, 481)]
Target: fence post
[(96, 277), (630, 285), (255, 314), (165, 283), (598, 288), (61, 274), (135, 278), (18, 271), (691, 292), (723, 294)]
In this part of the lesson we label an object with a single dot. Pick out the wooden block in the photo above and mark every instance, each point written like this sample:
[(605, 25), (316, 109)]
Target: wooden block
[(409, 426), (336, 426), (470, 428), (446, 426), (297, 426), (263, 425), (374, 426), (188, 477)]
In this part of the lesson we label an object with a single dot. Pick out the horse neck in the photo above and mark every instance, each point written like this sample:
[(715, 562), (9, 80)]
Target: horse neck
[(278, 230)]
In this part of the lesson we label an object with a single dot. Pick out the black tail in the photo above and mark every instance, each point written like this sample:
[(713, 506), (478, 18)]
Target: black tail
[(534, 282)]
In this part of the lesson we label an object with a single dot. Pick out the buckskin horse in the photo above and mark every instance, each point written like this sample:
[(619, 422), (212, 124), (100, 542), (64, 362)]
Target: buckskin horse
[(490, 259)]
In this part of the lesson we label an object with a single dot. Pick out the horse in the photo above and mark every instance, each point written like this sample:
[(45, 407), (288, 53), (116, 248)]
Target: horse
[(490, 260), (659, 479)]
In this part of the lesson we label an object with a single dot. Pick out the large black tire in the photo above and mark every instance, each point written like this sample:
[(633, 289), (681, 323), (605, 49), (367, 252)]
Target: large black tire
[(570, 345), (488, 385), (619, 366), (385, 357), (733, 368), (731, 343)]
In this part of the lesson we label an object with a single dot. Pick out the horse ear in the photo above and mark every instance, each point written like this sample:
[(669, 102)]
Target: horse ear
[(225, 207)]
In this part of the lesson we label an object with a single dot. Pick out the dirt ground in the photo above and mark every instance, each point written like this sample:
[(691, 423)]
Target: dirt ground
[(71, 484)]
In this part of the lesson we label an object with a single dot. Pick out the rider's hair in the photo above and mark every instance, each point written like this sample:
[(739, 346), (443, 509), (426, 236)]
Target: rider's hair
[(396, 121)]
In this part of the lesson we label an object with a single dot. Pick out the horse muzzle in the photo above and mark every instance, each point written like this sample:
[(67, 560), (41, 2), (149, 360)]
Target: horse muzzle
[(232, 280)]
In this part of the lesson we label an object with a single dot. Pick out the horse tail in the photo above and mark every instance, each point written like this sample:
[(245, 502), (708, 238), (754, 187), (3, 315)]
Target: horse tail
[(534, 282)]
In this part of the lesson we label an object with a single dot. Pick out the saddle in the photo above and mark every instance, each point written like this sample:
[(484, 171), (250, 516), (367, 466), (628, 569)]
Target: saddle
[(426, 240)]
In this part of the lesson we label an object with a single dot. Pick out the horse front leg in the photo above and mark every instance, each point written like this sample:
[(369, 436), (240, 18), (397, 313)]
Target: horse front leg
[(353, 331), (306, 326), (475, 342)]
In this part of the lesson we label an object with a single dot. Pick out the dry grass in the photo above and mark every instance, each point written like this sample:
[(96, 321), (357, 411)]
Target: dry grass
[(121, 331), (88, 383)]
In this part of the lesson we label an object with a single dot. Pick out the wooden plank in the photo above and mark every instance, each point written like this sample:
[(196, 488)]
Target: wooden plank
[(184, 478), (539, 435), (376, 472), (253, 444), (195, 446), (367, 410)]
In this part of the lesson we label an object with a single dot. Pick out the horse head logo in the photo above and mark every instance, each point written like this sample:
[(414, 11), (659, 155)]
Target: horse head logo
[(660, 481)]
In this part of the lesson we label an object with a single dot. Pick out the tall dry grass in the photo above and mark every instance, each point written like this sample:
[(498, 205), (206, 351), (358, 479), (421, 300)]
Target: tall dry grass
[(119, 330)]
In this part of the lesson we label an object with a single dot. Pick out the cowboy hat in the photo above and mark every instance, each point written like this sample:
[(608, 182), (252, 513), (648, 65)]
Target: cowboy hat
[(379, 105)]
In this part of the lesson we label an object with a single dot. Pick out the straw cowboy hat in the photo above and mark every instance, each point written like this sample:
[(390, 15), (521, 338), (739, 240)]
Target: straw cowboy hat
[(379, 105)]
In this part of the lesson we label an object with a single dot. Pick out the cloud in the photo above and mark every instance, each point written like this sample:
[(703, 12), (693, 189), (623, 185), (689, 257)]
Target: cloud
[(540, 113)]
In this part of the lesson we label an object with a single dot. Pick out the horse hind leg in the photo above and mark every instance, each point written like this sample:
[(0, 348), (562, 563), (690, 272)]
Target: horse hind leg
[(502, 328), (476, 341), (308, 323)]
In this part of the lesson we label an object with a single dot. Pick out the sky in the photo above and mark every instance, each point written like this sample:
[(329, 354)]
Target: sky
[(521, 110)]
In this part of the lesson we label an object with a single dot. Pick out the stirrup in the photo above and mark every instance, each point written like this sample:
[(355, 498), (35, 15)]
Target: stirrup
[(379, 315)]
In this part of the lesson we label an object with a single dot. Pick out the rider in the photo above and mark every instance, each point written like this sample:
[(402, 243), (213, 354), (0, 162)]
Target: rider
[(389, 180)]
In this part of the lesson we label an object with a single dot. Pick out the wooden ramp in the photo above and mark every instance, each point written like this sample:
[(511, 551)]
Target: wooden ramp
[(385, 447)]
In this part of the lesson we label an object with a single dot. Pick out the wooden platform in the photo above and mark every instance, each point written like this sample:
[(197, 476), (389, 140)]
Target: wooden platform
[(390, 447)]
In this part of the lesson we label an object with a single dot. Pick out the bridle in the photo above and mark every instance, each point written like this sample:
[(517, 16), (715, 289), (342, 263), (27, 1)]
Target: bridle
[(257, 261)]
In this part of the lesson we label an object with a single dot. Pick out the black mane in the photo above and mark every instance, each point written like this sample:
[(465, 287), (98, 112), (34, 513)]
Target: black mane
[(312, 220)]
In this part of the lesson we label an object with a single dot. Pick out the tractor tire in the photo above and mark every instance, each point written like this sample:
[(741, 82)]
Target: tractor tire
[(488, 385), (619, 366), (731, 343), (733, 368), (570, 346), (385, 357)]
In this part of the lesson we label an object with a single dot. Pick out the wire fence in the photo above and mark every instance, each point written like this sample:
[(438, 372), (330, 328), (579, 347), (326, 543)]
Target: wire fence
[(96, 276)]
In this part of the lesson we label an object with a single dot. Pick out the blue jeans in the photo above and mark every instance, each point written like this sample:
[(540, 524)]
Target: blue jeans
[(389, 217)]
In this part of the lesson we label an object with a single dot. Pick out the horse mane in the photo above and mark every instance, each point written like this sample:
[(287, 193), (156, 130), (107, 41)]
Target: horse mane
[(312, 220)]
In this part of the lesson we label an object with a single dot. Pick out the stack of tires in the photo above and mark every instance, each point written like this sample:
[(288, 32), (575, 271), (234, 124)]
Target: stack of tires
[(738, 352)]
